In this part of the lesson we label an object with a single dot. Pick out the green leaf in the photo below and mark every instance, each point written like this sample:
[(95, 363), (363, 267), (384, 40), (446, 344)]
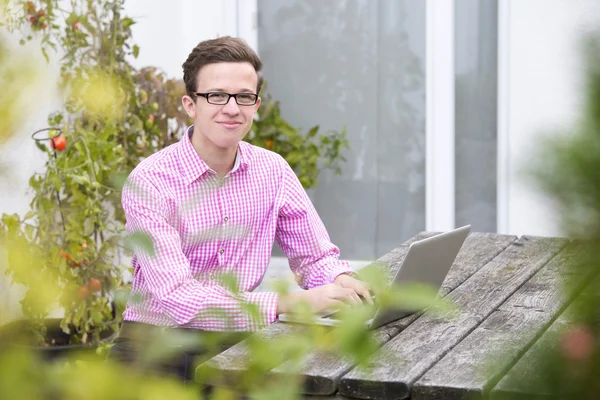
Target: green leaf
[(417, 296), (82, 180), (55, 181), (293, 157), (142, 241), (29, 214), (136, 50), (127, 22), (29, 231), (45, 54), (306, 182), (71, 19), (313, 132), (35, 182)]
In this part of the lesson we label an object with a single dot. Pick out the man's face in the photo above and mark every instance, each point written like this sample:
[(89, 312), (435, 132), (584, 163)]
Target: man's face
[(223, 125)]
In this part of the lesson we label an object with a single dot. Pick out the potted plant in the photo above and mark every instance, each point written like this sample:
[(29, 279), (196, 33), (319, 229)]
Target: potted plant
[(307, 153), (73, 231)]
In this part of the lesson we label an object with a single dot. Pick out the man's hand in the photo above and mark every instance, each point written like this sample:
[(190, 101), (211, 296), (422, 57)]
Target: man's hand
[(345, 290), (361, 288), (322, 298)]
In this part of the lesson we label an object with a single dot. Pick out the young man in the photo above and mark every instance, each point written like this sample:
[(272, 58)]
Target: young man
[(213, 205)]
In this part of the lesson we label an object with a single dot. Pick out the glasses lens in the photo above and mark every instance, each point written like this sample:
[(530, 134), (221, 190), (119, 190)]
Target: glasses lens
[(218, 98), (246, 99)]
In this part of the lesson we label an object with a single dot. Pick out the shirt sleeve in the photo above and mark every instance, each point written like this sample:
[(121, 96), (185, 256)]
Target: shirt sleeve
[(302, 236), (168, 276)]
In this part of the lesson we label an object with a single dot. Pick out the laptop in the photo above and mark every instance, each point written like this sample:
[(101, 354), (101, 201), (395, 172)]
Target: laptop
[(426, 262)]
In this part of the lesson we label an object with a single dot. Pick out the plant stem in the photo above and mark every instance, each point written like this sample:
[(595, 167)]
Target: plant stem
[(62, 217)]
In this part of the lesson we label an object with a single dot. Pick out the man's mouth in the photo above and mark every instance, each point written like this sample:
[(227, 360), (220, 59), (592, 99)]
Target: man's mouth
[(229, 124)]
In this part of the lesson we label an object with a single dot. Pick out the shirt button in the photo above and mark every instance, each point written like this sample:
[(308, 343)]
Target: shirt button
[(212, 276), (221, 251), (226, 219)]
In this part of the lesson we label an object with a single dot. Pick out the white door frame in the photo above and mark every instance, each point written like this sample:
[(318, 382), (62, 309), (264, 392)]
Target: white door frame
[(503, 164), (240, 19), (440, 149)]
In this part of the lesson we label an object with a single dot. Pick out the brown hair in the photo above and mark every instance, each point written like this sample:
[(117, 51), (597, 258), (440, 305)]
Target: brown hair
[(223, 49)]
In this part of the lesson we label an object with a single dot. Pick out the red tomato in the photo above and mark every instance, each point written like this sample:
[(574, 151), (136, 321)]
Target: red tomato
[(83, 292), (64, 254), (58, 143), (95, 285)]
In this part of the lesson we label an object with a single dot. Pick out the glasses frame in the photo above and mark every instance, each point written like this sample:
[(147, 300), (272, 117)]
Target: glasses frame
[(205, 95)]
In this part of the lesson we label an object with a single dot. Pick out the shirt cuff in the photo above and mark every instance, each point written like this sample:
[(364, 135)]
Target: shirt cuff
[(351, 273), (267, 307), (342, 268)]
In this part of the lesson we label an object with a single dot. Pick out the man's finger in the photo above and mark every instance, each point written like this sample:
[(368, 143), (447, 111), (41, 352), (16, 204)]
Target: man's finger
[(351, 297), (367, 295), (356, 298)]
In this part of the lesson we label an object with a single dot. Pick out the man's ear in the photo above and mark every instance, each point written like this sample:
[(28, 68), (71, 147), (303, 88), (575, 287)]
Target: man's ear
[(258, 101), (189, 105)]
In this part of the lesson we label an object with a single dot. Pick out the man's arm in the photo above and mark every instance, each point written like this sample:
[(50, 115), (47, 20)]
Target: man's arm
[(314, 259), (168, 275)]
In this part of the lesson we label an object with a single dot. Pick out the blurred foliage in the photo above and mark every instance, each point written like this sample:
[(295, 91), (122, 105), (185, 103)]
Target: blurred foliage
[(569, 172), (14, 82)]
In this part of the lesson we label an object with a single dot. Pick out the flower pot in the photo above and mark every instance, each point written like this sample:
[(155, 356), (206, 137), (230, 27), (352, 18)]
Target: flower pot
[(61, 346)]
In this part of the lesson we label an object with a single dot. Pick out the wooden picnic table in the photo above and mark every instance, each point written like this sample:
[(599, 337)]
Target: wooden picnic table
[(510, 290)]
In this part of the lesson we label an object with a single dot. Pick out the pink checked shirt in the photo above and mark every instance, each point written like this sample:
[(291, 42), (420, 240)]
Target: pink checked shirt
[(204, 229)]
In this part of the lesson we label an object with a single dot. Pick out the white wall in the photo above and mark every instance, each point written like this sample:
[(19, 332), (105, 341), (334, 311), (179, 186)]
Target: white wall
[(168, 31), (19, 157), (540, 87)]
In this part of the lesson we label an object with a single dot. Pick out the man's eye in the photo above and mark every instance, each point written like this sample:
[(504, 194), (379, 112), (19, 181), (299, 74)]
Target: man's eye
[(217, 96)]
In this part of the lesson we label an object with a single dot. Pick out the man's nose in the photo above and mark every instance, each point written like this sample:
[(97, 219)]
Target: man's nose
[(231, 107)]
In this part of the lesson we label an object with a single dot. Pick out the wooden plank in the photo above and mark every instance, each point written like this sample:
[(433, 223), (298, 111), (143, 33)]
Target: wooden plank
[(322, 371), (404, 359), (525, 380), (234, 361), (227, 367), (479, 361)]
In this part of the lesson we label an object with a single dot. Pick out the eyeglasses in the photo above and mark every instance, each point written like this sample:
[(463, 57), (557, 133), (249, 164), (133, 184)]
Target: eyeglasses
[(221, 98)]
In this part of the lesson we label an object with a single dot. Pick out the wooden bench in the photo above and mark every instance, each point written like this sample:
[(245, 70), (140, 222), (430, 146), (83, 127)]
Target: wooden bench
[(509, 292)]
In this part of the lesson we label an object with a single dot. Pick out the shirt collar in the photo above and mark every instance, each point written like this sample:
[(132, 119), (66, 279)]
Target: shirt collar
[(194, 166)]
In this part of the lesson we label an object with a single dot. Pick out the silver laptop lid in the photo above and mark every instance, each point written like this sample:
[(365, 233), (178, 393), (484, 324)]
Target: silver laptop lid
[(427, 262)]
